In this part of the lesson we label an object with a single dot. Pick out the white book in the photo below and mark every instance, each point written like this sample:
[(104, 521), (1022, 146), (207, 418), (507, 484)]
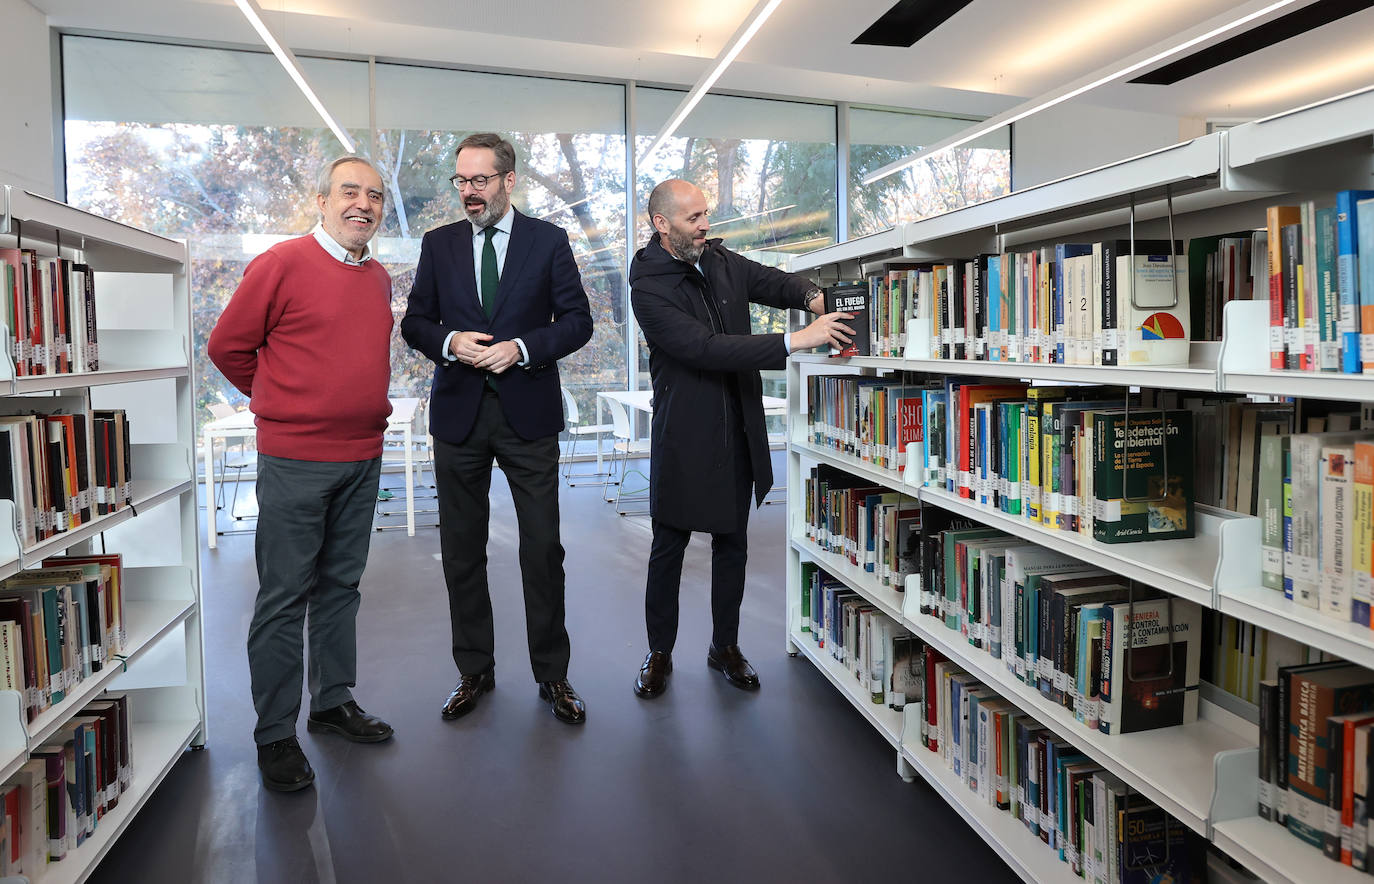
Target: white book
[(1337, 517), (1306, 451), (1154, 320)]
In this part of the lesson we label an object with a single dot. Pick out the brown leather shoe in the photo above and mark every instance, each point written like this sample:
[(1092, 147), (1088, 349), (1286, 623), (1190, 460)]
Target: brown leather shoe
[(464, 697), (566, 704), (653, 674), (733, 666)]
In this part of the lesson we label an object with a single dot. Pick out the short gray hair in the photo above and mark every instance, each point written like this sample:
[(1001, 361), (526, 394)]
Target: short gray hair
[(327, 173), (503, 149)]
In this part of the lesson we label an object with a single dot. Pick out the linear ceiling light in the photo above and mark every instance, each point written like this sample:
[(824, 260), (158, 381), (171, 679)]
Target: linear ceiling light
[(253, 12), (1146, 59), (746, 32)]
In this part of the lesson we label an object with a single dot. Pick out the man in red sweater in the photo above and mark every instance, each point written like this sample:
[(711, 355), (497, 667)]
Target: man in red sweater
[(307, 336)]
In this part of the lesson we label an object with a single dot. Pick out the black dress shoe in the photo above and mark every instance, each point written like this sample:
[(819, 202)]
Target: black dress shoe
[(566, 704), (464, 697), (284, 766), (349, 721), (735, 668), (653, 674)]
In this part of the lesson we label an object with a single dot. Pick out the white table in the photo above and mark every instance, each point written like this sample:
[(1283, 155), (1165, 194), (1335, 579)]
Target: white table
[(643, 400), (242, 425)]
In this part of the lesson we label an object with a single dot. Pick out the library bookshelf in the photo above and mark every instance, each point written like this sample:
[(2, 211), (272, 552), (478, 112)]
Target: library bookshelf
[(144, 317), (1203, 773)]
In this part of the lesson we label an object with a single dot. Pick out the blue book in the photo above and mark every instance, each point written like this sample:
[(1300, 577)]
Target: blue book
[(951, 436), (1347, 275), (994, 278), (1062, 252), (1364, 244)]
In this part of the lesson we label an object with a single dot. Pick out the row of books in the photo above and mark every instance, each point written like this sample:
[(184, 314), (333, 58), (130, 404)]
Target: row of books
[(875, 528), (1315, 754), (57, 799), (1141, 302), (1070, 304), (1075, 459), (864, 640), (49, 311), (1122, 659), (1103, 830), (59, 624), (1240, 656), (64, 469), (1321, 285)]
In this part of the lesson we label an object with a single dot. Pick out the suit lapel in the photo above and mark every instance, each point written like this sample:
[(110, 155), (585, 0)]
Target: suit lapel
[(517, 254), (467, 274)]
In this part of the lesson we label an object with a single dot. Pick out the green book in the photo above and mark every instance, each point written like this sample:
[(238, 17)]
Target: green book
[(1327, 296), (953, 606), (1143, 480)]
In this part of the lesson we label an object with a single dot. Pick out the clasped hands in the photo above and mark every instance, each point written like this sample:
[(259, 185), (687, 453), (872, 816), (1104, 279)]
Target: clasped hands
[(471, 348)]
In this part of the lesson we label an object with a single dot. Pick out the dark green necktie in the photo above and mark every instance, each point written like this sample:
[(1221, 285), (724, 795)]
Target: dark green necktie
[(491, 276)]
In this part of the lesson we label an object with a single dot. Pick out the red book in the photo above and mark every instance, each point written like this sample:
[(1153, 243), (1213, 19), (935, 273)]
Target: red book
[(970, 395), (931, 701), (910, 426), (1275, 218)]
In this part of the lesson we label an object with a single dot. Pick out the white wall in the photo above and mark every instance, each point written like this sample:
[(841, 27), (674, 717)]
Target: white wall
[(1073, 137), (26, 144)]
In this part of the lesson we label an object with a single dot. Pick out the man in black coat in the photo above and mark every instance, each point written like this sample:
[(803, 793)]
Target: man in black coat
[(709, 447)]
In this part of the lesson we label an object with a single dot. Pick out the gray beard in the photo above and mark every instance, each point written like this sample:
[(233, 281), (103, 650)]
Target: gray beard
[(684, 248), (493, 211)]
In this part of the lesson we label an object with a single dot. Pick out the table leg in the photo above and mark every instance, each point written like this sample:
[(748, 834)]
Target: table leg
[(410, 487), (210, 488), (599, 465)]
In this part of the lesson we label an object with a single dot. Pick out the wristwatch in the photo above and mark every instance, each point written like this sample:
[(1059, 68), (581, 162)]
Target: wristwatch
[(813, 296)]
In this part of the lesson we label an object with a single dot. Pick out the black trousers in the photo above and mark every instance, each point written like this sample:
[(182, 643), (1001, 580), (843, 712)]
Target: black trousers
[(462, 475), (729, 555)]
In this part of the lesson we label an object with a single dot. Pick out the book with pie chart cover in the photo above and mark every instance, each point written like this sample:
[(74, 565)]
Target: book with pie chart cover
[(1155, 317)]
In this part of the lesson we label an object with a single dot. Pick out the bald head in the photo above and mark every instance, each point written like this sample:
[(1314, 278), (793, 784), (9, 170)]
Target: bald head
[(677, 210)]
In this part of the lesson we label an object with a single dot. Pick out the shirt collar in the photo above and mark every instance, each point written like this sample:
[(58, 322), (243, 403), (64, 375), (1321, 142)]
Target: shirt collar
[(504, 225), (336, 251)]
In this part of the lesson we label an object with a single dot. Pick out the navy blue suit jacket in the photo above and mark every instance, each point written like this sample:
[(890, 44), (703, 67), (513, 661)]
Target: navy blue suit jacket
[(540, 300)]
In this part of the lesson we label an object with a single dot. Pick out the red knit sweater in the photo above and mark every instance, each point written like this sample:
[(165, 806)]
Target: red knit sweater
[(308, 338)]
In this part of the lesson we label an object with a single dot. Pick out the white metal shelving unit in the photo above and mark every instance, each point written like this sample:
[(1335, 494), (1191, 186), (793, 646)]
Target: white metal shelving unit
[(143, 311), (1205, 774)]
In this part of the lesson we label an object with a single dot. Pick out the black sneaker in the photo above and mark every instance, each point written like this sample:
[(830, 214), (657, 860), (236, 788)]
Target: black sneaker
[(284, 766)]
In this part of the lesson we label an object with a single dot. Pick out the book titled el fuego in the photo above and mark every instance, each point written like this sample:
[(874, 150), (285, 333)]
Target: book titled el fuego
[(851, 298)]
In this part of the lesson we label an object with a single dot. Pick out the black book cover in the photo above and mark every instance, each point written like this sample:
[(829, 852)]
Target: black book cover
[(851, 298)]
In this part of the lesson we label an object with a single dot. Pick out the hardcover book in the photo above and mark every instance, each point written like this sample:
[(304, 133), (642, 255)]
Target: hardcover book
[(1143, 476), (851, 298), (1155, 683)]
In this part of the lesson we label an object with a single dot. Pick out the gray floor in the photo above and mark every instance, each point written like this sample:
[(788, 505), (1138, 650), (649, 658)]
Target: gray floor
[(703, 783)]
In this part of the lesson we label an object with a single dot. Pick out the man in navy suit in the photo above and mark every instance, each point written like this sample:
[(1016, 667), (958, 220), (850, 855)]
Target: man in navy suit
[(497, 300)]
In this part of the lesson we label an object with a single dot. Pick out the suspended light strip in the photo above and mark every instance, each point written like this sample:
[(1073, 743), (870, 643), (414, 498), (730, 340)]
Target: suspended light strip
[(1065, 93), (746, 32), (718, 224), (253, 12)]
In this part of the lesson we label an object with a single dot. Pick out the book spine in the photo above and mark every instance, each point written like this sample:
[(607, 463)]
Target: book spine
[(1364, 230), (1347, 278), (1268, 697), (1276, 217)]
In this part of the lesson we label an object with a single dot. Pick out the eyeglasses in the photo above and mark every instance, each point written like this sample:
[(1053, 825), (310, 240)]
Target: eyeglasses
[(479, 182)]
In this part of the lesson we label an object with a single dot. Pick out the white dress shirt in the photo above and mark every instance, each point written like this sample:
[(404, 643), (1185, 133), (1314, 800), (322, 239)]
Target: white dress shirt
[(336, 251), (500, 242)]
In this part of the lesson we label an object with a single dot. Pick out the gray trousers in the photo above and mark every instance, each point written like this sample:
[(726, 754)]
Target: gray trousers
[(314, 526)]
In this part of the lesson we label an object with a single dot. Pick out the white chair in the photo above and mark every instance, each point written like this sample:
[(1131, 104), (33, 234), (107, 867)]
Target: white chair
[(238, 462), (577, 430), (625, 446), (391, 500)]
